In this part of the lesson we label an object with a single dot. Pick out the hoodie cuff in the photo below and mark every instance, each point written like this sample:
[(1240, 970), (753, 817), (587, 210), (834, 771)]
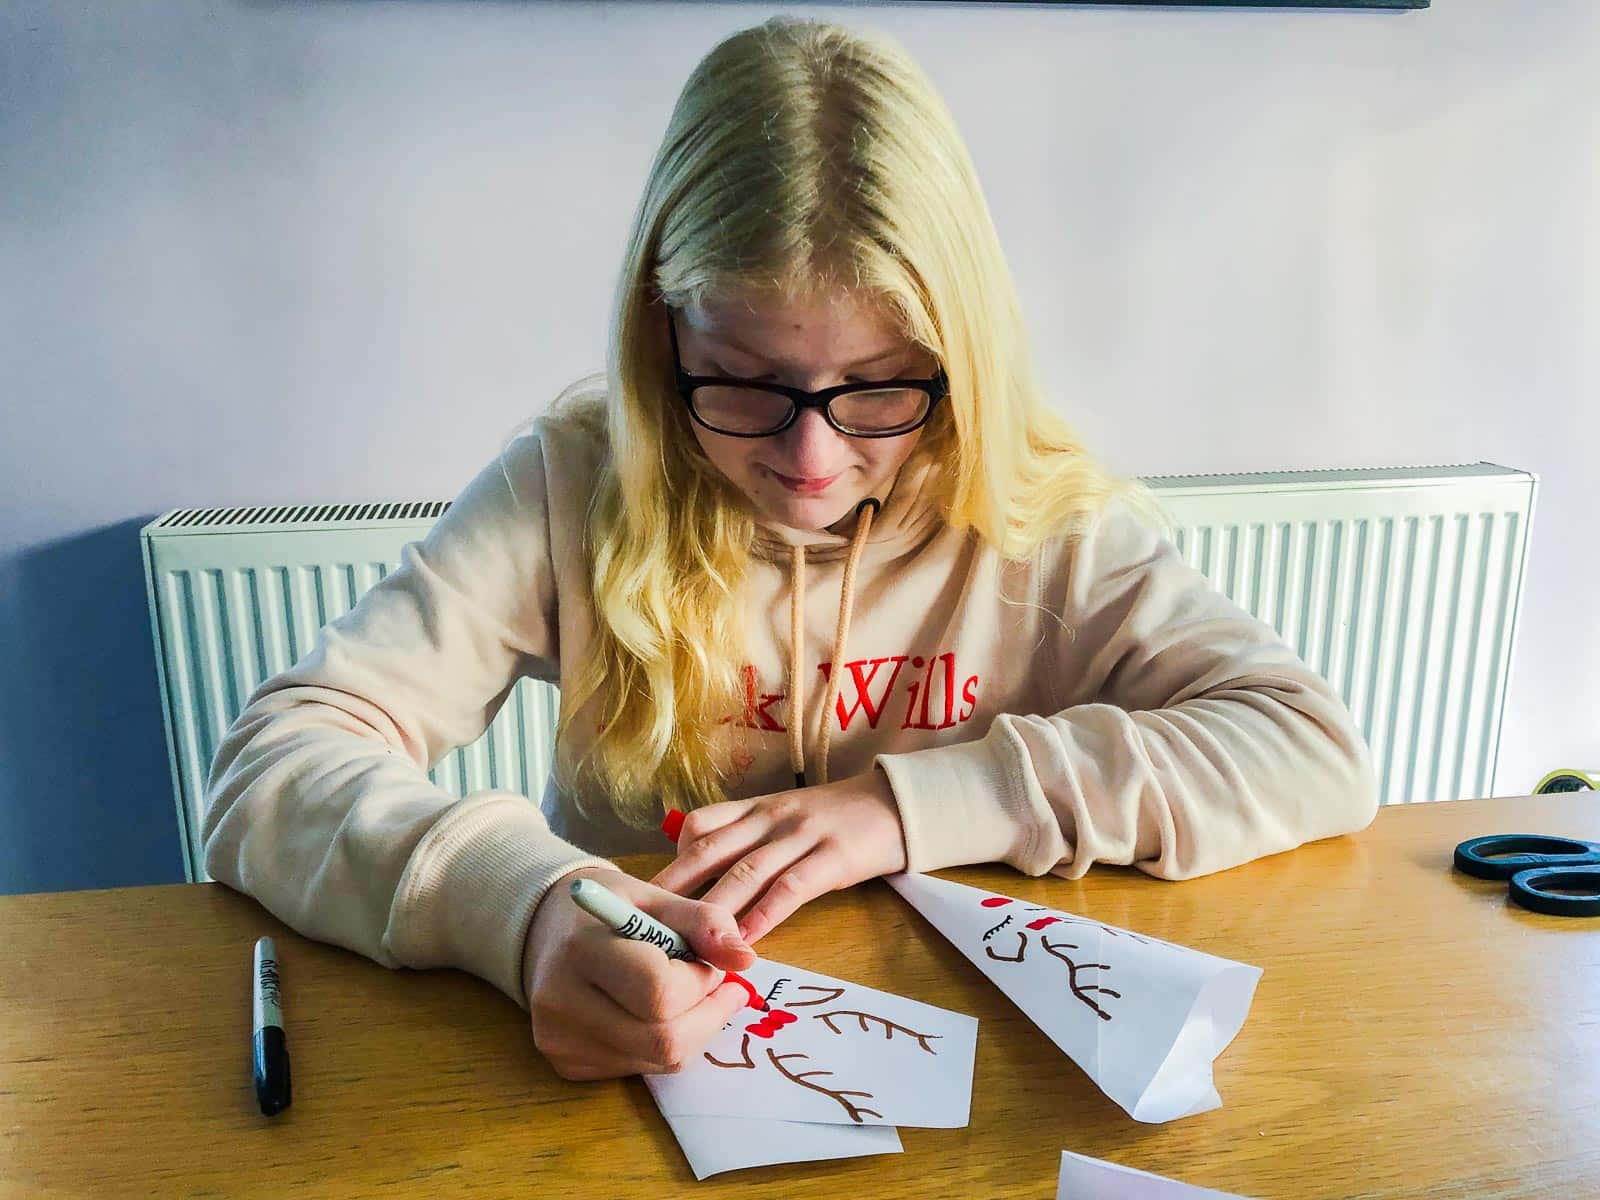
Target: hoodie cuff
[(960, 804), (470, 888)]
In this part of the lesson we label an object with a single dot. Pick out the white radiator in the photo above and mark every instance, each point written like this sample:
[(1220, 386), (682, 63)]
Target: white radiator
[(238, 594), (1401, 586)]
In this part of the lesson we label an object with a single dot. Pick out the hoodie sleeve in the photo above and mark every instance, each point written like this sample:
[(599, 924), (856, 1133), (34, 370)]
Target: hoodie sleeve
[(318, 802), (1203, 741)]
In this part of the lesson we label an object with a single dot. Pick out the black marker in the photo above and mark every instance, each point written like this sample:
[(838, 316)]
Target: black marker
[(271, 1048)]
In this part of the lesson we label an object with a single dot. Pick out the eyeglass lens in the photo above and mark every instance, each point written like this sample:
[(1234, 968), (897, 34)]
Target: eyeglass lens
[(743, 410)]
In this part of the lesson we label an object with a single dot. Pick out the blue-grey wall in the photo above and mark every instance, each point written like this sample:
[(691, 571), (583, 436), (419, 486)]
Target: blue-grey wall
[(279, 250)]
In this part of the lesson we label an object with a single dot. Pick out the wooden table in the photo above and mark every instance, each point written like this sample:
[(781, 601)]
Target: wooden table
[(1413, 1035)]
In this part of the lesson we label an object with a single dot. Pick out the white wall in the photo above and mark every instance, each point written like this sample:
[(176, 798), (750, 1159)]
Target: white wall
[(259, 251)]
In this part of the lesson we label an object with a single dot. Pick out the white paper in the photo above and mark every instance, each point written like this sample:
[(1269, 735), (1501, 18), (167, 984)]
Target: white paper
[(1084, 1178), (831, 1052), (1144, 1018), (716, 1144)]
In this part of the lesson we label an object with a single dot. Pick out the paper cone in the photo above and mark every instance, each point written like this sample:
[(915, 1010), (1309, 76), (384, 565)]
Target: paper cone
[(1144, 1018)]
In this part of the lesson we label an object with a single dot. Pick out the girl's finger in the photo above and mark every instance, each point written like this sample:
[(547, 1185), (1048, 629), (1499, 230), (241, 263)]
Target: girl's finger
[(702, 1022), (640, 978), (822, 870), (710, 854), (653, 1047), (701, 821), (575, 1038), (709, 929), (755, 872), (588, 1070), (602, 1032)]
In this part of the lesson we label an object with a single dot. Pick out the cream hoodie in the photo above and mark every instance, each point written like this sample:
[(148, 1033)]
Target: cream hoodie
[(1096, 702)]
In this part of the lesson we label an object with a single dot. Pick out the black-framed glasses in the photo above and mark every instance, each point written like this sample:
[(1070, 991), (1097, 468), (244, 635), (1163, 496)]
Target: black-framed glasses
[(747, 408)]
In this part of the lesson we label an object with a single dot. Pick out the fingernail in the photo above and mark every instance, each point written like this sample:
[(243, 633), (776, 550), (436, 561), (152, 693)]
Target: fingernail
[(735, 941)]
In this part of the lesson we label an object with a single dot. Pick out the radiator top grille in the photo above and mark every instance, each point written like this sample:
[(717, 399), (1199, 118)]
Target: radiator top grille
[(301, 516), (1355, 477)]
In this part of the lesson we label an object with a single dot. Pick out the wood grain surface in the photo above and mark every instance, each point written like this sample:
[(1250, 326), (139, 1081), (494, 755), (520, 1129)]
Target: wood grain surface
[(1414, 1035)]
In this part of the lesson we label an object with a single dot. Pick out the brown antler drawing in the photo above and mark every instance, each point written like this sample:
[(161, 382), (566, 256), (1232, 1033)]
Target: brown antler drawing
[(854, 1111), (889, 1026), (833, 994), (744, 1049), (1081, 992)]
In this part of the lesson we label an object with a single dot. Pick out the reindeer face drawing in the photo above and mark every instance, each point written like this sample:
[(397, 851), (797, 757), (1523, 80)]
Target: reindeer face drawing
[(766, 1037), (1021, 925)]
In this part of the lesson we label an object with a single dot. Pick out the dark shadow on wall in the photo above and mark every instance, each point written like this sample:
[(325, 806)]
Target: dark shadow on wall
[(85, 787)]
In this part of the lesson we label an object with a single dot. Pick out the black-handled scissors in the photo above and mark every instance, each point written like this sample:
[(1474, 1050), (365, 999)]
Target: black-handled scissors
[(1545, 872)]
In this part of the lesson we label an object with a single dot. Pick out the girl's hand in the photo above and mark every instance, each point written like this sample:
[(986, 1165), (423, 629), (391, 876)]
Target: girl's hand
[(603, 1005), (776, 852)]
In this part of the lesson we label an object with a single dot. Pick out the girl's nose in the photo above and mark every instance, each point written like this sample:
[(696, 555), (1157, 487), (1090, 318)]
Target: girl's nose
[(812, 448)]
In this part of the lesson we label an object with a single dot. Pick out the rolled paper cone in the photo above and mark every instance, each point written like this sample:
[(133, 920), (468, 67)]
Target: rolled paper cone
[(1144, 1018)]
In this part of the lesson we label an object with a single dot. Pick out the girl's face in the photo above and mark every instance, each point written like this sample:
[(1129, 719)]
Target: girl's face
[(810, 476)]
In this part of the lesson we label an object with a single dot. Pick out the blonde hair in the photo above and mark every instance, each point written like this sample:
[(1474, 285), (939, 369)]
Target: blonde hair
[(801, 158)]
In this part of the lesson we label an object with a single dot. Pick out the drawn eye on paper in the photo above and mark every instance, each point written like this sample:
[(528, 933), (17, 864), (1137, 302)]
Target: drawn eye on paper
[(1078, 983), (839, 1018)]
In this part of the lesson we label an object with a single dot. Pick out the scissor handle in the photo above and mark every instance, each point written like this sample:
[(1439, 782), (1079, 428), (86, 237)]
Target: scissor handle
[(1502, 855), (1533, 889)]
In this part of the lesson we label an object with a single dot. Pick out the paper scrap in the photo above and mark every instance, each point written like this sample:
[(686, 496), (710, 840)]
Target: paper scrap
[(1144, 1018), (1084, 1178)]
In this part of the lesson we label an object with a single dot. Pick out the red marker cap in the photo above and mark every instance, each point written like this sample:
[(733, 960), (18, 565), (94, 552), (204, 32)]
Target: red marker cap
[(673, 825)]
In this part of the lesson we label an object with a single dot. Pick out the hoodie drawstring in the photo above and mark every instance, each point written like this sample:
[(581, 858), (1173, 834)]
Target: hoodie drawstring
[(797, 706)]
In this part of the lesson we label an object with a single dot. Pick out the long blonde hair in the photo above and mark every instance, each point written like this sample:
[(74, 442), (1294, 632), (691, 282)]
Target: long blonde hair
[(801, 157)]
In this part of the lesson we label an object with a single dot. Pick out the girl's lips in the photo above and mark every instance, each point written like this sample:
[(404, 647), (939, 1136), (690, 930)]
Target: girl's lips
[(805, 487)]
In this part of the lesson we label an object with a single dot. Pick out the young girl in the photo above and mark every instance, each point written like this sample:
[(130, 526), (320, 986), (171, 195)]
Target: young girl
[(817, 563)]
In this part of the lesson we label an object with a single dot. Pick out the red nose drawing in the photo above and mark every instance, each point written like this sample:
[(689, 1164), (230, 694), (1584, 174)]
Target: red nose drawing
[(996, 901), (771, 1023)]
